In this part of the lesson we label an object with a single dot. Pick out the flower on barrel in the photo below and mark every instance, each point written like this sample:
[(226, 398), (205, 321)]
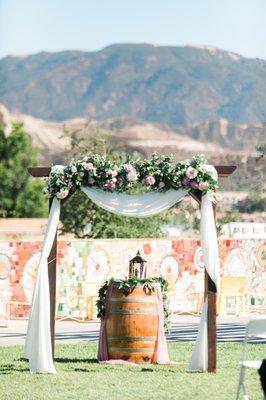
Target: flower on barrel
[(157, 173)]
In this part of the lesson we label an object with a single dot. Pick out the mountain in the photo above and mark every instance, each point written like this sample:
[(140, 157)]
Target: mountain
[(161, 84)]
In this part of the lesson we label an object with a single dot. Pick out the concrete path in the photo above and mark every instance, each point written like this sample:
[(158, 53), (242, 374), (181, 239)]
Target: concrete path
[(184, 328)]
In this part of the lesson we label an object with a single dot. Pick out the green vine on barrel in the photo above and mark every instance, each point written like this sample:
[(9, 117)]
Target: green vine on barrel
[(127, 286)]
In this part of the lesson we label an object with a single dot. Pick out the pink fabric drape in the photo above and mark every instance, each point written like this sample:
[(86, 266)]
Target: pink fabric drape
[(160, 355), (102, 345)]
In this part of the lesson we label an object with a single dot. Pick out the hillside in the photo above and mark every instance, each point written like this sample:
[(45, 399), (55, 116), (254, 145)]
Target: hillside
[(210, 137), (145, 138), (158, 84)]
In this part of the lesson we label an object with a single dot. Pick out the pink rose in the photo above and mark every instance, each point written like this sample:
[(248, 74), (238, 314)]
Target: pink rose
[(128, 167), (191, 173), (203, 185), (89, 166), (149, 180), (63, 193), (161, 185), (111, 185)]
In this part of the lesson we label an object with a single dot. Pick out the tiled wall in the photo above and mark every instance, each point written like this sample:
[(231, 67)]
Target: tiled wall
[(83, 265)]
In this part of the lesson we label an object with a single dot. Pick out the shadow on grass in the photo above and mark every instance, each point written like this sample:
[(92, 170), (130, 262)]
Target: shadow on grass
[(84, 370), (76, 360), (170, 369), (9, 368)]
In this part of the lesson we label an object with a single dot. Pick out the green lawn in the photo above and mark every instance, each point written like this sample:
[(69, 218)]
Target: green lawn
[(80, 377)]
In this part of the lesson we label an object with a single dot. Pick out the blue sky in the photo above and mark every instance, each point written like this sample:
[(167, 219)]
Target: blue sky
[(30, 26)]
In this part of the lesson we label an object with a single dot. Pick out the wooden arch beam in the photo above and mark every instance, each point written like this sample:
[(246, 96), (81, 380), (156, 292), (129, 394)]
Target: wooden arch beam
[(40, 172), (209, 288)]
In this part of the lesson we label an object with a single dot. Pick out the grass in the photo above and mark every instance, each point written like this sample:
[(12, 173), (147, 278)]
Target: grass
[(81, 377)]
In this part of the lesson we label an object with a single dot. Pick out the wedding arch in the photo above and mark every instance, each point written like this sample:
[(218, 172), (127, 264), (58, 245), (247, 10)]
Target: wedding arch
[(105, 184)]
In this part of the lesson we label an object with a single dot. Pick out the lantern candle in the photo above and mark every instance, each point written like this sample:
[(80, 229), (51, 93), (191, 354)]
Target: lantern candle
[(137, 267)]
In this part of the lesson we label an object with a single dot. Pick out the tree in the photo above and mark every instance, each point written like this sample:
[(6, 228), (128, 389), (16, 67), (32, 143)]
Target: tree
[(254, 202), (21, 196), (84, 219), (226, 216), (188, 216), (261, 148)]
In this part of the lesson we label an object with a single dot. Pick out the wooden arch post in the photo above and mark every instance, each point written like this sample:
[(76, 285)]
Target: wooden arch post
[(209, 288)]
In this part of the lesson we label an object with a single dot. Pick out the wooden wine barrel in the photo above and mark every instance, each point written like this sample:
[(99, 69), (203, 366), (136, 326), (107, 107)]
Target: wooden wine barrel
[(132, 325)]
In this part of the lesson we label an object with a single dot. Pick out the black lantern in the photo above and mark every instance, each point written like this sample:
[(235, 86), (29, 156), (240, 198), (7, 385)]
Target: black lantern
[(137, 267)]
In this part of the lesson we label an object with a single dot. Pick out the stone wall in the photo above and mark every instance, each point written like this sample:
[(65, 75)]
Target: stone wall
[(84, 264)]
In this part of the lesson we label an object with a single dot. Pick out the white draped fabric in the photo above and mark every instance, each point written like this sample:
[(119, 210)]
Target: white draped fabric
[(139, 206), (199, 358), (38, 347)]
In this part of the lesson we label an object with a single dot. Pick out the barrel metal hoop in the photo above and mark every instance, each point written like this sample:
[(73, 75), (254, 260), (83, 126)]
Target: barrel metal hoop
[(125, 299), (145, 339), (130, 350), (148, 311)]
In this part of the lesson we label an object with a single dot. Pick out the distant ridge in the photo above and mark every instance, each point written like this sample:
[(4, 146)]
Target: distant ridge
[(161, 84), (210, 137), (222, 142)]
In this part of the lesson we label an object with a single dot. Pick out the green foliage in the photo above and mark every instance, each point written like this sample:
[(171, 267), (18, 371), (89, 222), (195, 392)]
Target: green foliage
[(226, 217), (261, 148), (84, 219), (127, 285), (96, 143), (254, 202), (21, 196), (188, 216)]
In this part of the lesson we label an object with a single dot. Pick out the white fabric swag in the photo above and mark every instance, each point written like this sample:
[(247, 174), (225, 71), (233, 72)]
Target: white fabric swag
[(38, 347)]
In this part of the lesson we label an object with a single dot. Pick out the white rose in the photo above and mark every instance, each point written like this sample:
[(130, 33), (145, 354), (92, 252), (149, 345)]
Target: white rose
[(112, 172), (132, 176), (62, 194), (203, 185), (191, 173)]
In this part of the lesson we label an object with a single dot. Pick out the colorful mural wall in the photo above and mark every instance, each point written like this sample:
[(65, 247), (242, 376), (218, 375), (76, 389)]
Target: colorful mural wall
[(84, 265)]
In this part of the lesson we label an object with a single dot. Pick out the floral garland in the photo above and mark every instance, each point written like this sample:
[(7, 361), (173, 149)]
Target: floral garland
[(156, 173)]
